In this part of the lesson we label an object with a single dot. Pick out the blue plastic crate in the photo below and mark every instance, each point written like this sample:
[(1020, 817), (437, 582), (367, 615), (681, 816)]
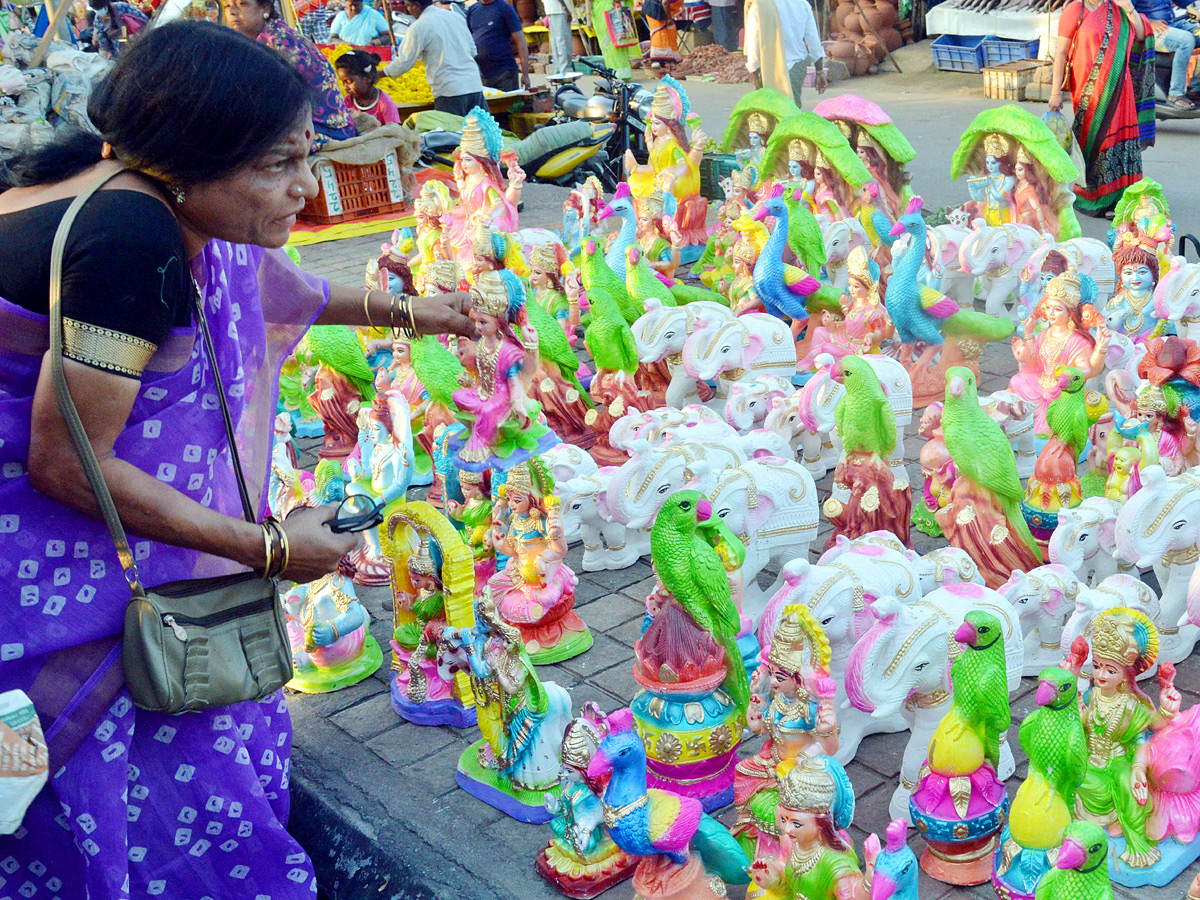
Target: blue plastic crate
[(999, 50), (959, 52)]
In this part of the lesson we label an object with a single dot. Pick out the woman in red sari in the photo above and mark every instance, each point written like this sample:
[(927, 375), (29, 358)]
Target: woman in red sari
[(1106, 50)]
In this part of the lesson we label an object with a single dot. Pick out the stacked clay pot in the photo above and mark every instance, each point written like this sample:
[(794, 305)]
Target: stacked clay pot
[(855, 44)]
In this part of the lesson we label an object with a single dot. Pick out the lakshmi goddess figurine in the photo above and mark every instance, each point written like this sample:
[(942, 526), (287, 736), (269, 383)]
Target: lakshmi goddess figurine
[(1131, 309), (993, 191), (474, 516), (864, 324), (535, 591), (792, 705), (515, 767), (817, 860), (1143, 764), (658, 234), (485, 197), (1066, 341), (546, 278), (504, 421), (880, 145), (674, 165), (331, 645)]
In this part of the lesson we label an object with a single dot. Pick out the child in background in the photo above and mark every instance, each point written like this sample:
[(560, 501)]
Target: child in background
[(358, 71)]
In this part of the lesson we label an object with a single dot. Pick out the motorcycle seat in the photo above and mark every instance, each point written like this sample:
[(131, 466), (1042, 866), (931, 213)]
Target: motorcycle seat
[(549, 140)]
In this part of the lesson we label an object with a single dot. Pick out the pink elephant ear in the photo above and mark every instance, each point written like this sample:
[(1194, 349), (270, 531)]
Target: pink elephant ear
[(914, 206)]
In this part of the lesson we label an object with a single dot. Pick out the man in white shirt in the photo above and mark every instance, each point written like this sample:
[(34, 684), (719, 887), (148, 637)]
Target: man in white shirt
[(781, 40), (441, 39), (558, 21)]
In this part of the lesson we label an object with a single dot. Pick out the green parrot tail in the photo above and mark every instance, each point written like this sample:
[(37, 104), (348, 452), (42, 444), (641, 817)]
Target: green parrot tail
[(366, 388), (1018, 526), (573, 378), (707, 258), (826, 299), (968, 323), (737, 681), (720, 852)]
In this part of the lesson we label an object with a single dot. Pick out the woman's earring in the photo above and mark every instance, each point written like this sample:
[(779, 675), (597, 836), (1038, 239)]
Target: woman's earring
[(178, 194)]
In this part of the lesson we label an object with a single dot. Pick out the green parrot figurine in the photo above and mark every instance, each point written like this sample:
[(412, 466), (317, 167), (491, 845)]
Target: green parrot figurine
[(554, 348), (1055, 481), (987, 470), (597, 275), (1067, 414), (805, 241), (690, 293), (437, 368), (686, 546), (863, 417), (609, 338), (980, 678), (641, 282), (336, 346), (1081, 870)]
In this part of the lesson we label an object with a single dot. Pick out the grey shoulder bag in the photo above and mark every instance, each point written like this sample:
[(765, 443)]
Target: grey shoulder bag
[(189, 645)]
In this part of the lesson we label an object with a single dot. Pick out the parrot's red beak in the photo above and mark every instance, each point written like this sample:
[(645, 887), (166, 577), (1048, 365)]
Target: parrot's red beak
[(760, 214), (1063, 381), (703, 511), (1071, 855), (966, 634), (837, 374), (1046, 692), (897, 229), (605, 212), (956, 386)]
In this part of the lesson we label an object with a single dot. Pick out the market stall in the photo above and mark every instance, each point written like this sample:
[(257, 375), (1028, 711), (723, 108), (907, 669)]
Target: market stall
[(1010, 24)]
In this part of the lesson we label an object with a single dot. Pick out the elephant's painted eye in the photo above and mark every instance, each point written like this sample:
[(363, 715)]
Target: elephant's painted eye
[(666, 488), (920, 667), (669, 335)]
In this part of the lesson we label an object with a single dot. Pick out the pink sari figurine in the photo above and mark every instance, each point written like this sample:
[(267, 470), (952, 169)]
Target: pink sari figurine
[(535, 591), (504, 422), (484, 196), (864, 324), (1065, 341)]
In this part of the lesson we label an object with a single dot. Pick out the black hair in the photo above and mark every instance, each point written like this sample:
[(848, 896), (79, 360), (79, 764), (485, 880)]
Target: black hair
[(360, 63), (424, 4), (100, 5), (188, 102)]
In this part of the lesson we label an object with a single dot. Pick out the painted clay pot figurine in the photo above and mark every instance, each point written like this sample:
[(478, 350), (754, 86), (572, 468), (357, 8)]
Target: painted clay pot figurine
[(504, 420), (816, 859), (959, 804), (1080, 870), (1017, 172), (984, 514), (954, 336), (535, 591), (1131, 309), (516, 764), (867, 428), (331, 645), (1142, 770), (660, 826), (581, 860), (1066, 341), (1053, 737), (674, 165), (433, 586), (792, 704), (693, 708)]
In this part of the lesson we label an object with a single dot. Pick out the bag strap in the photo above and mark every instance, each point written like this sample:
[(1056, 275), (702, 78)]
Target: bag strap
[(66, 405)]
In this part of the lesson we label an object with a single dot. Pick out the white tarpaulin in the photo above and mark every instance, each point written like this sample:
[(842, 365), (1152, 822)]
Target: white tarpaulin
[(1013, 25)]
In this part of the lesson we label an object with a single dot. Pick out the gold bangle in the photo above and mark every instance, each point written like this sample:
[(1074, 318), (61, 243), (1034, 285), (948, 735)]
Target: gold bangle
[(392, 314), (269, 525), (367, 307), (287, 550), (336, 634), (412, 319), (268, 551)]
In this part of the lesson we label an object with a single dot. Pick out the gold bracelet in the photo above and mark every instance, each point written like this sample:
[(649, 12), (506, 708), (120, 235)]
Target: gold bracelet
[(287, 549), (367, 307), (276, 547), (392, 314), (336, 635), (412, 319), (268, 551)]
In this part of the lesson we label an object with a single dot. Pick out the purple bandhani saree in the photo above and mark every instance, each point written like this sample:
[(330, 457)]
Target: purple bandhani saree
[(186, 806)]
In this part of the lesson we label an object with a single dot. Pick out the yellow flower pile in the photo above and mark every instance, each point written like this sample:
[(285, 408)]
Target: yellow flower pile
[(411, 87)]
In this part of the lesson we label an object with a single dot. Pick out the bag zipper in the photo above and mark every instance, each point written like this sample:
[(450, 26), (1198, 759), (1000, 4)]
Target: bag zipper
[(176, 622), (191, 588)]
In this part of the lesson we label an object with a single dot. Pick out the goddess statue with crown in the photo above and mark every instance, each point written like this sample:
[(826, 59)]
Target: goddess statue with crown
[(817, 860), (865, 323), (535, 591), (486, 197), (792, 705), (674, 165), (504, 422), (546, 262)]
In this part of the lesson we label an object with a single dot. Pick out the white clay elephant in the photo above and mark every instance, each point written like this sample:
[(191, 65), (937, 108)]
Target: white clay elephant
[(1122, 589), (1016, 417), (660, 334), (740, 350), (841, 238), (1044, 597), (604, 540), (640, 486), (1177, 297), (884, 568), (1085, 540), (943, 567), (772, 507), (994, 256), (1159, 526), (811, 442), (1087, 256), (942, 269), (568, 461), (837, 601), (750, 401), (902, 664)]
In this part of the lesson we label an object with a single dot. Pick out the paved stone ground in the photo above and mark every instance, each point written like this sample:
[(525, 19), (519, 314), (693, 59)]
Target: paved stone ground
[(374, 798)]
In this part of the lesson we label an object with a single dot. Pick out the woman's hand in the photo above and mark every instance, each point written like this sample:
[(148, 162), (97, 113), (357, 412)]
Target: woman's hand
[(1056, 99), (314, 550), (443, 314)]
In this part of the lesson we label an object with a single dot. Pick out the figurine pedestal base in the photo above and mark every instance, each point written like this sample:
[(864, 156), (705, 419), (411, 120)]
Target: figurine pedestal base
[(962, 867), (583, 880), (325, 681), (485, 784), (1175, 858), (657, 878), (447, 711), (1018, 878), (959, 817)]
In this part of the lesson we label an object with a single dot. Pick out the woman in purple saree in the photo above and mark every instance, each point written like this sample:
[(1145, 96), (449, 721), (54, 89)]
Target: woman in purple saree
[(148, 804)]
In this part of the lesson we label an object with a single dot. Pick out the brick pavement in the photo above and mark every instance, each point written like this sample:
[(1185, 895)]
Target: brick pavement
[(374, 797)]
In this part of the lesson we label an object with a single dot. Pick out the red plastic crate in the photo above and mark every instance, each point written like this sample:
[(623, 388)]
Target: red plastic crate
[(351, 192)]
